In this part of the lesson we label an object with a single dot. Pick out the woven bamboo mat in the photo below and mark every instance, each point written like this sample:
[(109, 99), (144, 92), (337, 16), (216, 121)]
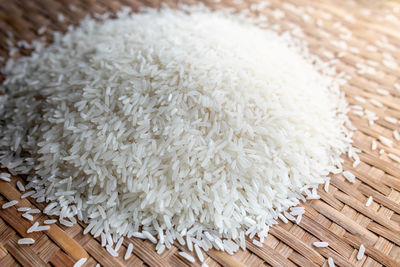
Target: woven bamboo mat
[(364, 39)]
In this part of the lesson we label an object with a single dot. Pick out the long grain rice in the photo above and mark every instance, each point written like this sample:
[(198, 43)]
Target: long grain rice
[(369, 201), (182, 128), (386, 141), (349, 176), (26, 241), (187, 256), (128, 252), (331, 262), (321, 244), (20, 186), (9, 204), (27, 216), (5, 177), (80, 262), (361, 252)]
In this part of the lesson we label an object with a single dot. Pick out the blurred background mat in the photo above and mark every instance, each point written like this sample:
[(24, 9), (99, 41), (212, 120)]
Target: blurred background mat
[(363, 40)]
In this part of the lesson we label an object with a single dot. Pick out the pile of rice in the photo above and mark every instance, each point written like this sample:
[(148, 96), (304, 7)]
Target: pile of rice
[(188, 124)]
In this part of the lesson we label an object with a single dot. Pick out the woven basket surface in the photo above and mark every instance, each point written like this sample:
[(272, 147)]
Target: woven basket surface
[(340, 217)]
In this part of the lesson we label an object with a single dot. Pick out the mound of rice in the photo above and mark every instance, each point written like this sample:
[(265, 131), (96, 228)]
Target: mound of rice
[(173, 124)]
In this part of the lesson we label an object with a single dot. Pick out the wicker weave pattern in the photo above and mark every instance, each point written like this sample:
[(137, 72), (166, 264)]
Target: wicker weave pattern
[(340, 217)]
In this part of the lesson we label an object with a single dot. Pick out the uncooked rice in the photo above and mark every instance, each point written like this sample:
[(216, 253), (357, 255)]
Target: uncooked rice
[(128, 252), (25, 241), (187, 256), (369, 201), (199, 253), (386, 141), (50, 221), (161, 249), (376, 103), (5, 177), (27, 216), (20, 186), (361, 252), (27, 194), (349, 176), (33, 211), (394, 157), (396, 135), (374, 145), (382, 92), (360, 99), (127, 128), (331, 262), (9, 204), (321, 244), (23, 209), (80, 262), (111, 251), (257, 243), (390, 119), (66, 223), (41, 228), (32, 228), (119, 243)]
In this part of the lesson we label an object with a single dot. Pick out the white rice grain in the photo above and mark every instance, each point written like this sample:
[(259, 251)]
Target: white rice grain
[(360, 99), (374, 145), (396, 135), (153, 128), (27, 216), (385, 141), (369, 201), (257, 243), (161, 249), (20, 186), (5, 177), (397, 86), (376, 103), (80, 262), (41, 30), (390, 119), (128, 252), (33, 211), (321, 244), (150, 237), (382, 92), (26, 241), (198, 253), (349, 176), (361, 252), (394, 157), (187, 256), (23, 209), (9, 204), (60, 17), (119, 243), (330, 262), (111, 251), (41, 228), (32, 228), (28, 194), (66, 223), (283, 218)]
